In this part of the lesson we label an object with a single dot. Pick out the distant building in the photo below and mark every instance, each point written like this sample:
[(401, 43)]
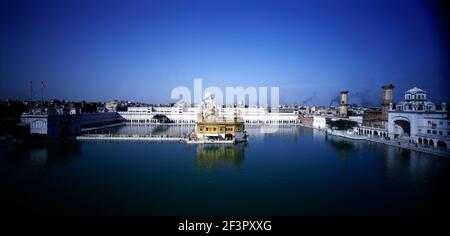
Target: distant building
[(357, 119), (418, 120), (320, 122), (387, 99), (211, 126), (183, 113), (53, 123), (373, 118), (112, 105), (378, 118), (307, 120), (64, 122), (95, 120), (323, 111), (115, 105)]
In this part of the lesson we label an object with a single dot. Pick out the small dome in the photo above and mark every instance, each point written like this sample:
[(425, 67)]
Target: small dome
[(415, 90)]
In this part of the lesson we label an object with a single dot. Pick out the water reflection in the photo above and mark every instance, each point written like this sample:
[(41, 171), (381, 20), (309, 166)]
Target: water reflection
[(341, 145), (418, 167), (263, 132), (210, 157), (62, 153), (148, 129), (317, 134), (374, 179), (45, 154)]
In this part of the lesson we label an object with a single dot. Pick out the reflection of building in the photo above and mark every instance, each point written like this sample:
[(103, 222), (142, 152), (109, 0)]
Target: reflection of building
[(419, 120), (372, 118), (261, 132), (411, 163), (342, 146), (99, 119), (212, 156), (51, 154)]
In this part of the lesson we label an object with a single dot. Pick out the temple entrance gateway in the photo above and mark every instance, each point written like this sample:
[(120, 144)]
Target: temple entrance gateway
[(402, 128)]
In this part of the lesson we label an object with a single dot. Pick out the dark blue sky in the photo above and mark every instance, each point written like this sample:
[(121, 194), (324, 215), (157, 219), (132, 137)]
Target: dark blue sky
[(103, 50)]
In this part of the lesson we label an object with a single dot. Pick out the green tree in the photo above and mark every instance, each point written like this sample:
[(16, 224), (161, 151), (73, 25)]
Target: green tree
[(342, 124)]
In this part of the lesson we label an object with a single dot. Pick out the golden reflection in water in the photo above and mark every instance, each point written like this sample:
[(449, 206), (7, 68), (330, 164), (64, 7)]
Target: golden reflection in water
[(342, 146), (210, 156)]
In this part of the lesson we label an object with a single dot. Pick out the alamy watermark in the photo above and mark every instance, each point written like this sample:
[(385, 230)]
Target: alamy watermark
[(236, 96)]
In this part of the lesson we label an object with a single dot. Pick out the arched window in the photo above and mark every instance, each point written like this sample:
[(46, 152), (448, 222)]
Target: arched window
[(442, 144)]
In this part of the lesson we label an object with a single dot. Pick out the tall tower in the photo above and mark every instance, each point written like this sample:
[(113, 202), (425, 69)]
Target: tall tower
[(343, 103), (387, 99), (43, 86)]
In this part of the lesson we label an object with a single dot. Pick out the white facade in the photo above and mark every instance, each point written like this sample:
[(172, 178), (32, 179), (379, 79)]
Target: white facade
[(52, 125), (38, 123), (140, 109), (184, 114), (99, 119), (319, 122), (415, 100), (418, 120)]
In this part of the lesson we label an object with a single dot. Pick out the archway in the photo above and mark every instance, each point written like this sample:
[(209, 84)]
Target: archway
[(425, 141), (228, 136), (402, 128), (431, 142), (161, 118), (419, 141), (65, 132), (441, 144), (39, 124)]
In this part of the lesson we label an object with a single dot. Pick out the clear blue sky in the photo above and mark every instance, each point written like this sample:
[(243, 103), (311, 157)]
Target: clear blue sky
[(141, 50)]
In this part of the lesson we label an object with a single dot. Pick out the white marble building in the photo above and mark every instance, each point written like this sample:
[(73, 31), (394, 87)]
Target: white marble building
[(418, 120), (53, 123), (320, 122), (187, 114)]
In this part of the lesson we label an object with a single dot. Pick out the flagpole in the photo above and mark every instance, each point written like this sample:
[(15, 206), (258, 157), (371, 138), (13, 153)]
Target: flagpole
[(31, 93), (42, 91)]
